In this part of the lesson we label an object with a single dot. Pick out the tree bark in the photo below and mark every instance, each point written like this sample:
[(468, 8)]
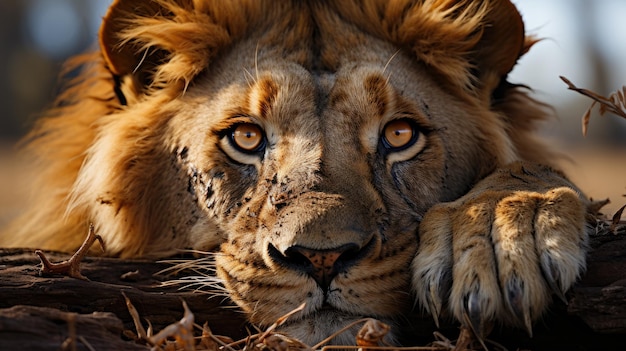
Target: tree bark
[(55, 312), (35, 310)]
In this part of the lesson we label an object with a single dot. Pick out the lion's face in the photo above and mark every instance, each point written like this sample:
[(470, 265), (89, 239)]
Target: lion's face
[(318, 180), (302, 140)]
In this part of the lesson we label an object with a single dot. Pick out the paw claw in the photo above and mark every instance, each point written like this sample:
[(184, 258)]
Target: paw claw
[(439, 293), (551, 275), (515, 301), (433, 291), (528, 324), (434, 305), (473, 314)]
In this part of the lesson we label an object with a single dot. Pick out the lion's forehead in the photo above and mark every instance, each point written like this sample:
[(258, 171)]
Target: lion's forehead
[(300, 105)]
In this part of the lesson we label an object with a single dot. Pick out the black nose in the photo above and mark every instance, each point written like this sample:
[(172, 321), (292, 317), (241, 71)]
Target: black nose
[(322, 265)]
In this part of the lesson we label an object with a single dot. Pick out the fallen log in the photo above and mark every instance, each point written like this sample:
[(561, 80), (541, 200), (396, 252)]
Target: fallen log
[(43, 328), (28, 299), (600, 297), (52, 311)]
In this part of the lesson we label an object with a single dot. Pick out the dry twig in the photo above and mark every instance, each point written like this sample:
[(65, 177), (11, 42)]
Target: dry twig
[(615, 103), (71, 267), (181, 331), (280, 321)]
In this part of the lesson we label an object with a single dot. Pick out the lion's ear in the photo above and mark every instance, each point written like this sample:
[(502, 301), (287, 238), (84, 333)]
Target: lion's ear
[(121, 55), (471, 43), (155, 42), (502, 43)]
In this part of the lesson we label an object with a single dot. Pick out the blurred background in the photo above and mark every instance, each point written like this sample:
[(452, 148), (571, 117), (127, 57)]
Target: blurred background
[(584, 40)]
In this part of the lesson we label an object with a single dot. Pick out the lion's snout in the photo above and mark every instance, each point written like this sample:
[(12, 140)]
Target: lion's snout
[(321, 265)]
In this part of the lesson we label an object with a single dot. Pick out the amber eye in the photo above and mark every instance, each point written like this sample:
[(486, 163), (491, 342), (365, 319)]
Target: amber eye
[(247, 137), (399, 134)]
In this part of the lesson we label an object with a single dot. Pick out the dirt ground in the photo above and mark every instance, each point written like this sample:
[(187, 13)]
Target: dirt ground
[(599, 171)]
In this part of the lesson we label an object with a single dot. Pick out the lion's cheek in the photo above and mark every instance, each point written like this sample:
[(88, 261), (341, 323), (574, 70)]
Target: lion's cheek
[(264, 293)]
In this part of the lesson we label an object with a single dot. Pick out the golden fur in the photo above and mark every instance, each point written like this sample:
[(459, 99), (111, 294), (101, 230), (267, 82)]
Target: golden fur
[(464, 216)]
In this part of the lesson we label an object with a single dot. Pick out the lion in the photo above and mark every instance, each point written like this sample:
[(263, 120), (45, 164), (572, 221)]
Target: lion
[(358, 156)]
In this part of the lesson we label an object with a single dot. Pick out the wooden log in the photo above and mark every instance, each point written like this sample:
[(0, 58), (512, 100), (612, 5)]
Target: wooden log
[(37, 312), (43, 328), (27, 301), (600, 297)]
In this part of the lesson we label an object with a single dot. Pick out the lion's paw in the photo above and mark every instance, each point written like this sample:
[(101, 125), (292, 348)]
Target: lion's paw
[(498, 255)]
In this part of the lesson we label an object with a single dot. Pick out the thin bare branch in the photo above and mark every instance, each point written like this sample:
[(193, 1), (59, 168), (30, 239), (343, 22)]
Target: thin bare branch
[(615, 103)]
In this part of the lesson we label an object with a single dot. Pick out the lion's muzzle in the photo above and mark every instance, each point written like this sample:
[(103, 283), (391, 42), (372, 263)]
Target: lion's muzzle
[(321, 265)]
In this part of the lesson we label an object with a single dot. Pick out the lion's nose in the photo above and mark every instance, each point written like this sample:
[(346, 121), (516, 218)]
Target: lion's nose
[(322, 265)]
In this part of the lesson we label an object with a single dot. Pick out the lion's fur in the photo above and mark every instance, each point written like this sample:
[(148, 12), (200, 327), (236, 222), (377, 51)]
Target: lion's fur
[(137, 144), (62, 139)]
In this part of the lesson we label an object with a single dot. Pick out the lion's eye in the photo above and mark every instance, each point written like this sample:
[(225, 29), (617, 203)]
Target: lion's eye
[(399, 134), (247, 137)]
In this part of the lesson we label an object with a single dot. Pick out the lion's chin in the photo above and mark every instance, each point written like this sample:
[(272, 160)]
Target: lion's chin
[(321, 324)]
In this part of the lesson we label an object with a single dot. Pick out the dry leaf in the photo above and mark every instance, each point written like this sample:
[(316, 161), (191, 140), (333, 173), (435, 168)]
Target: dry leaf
[(615, 103), (279, 342), (141, 332), (372, 333), (182, 331), (616, 220)]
